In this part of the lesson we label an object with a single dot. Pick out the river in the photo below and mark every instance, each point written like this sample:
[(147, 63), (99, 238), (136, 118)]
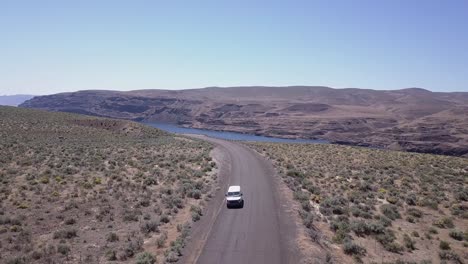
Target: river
[(230, 135)]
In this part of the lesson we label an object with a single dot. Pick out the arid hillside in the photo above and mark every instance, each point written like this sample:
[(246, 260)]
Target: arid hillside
[(409, 119), (366, 205), (81, 189)]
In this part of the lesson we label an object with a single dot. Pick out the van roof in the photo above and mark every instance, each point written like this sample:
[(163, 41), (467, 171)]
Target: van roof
[(234, 188)]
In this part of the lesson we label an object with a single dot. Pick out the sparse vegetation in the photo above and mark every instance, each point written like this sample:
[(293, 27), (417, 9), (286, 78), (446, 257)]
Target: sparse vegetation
[(69, 181), (377, 203)]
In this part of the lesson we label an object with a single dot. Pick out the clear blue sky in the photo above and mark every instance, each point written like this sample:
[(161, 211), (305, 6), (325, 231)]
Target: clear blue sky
[(56, 46)]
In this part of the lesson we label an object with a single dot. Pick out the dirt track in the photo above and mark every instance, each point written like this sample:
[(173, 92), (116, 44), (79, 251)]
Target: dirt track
[(261, 232)]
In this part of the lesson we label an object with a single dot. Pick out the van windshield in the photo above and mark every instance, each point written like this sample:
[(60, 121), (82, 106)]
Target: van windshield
[(233, 193)]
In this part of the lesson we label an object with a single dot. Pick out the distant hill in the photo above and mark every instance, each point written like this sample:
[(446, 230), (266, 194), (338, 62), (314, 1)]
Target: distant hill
[(411, 119), (14, 100)]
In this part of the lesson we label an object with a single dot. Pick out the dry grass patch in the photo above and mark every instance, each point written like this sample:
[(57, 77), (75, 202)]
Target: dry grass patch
[(378, 205), (77, 188)]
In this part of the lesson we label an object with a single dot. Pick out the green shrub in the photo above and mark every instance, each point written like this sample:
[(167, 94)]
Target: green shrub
[(393, 247), (307, 219), (409, 243), (65, 234), (444, 245), (457, 235), (414, 212), (17, 260), (444, 222), (450, 255), (63, 249), (162, 240), (390, 211), (196, 194), (301, 196), (351, 248), (145, 258), (70, 221), (335, 205), (111, 255), (112, 237), (360, 228), (196, 213), (165, 219), (149, 226)]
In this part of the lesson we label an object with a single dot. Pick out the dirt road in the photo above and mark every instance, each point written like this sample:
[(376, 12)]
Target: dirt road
[(261, 232)]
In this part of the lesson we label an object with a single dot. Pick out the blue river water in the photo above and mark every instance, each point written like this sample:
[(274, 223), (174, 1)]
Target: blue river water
[(230, 135)]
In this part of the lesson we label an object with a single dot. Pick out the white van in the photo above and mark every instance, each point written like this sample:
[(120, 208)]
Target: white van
[(234, 197)]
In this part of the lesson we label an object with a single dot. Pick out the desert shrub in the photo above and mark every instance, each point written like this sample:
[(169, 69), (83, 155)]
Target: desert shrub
[(409, 243), (384, 221), (196, 212), (162, 240), (351, 248), (360, 228), (411, 199), (131, 215), (196, 194), (457, 235), (444, 222), (149, 227), (358, 212), (335, 205), (65, 234), (17, 260), (148, 181), (386, 237), (173, 201), (145, 202), (459, 210), (295, 174), (131, 248), (414, 212), (63, 249), (306, 206), (393, 247), (164, 219), (392, 199), (428, 202), (410, 219), (112, 237), (390, 211), (70, 221), (301, 196), (145, 258), (195, 216), (111, 255), (172, 257), (307, 219), (36, 255), (444, 245), (450, 255), (461, 194), (340, 223), (308, 185)]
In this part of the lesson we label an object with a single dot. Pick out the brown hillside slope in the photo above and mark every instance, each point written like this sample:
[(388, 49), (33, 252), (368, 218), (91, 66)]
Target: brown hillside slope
[(81, 189), (409, 119)]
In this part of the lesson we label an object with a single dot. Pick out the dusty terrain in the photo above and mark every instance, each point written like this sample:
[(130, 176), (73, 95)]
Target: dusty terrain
[(80, 189), (377, 206), (408, 119)]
